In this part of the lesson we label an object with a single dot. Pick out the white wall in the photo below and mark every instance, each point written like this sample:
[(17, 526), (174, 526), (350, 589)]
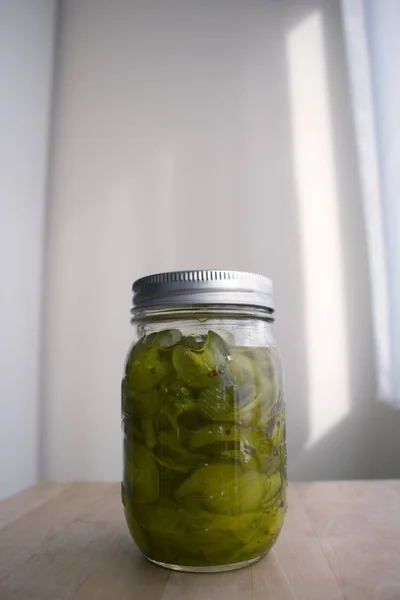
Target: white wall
[(187, 135), (26, 52)]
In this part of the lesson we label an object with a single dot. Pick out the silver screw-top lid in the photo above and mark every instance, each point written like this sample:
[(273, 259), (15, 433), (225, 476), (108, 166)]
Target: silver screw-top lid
[(193, 288)]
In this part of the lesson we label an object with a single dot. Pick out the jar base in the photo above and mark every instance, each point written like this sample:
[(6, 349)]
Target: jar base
[(211, 569)]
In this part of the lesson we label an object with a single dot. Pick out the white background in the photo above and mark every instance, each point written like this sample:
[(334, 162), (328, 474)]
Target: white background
[(207, 135), (26, 54)]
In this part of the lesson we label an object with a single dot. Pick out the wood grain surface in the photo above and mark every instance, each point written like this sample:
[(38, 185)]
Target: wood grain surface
[(341, 541)]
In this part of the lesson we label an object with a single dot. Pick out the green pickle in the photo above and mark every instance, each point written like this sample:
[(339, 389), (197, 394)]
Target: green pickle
[(204, 449)]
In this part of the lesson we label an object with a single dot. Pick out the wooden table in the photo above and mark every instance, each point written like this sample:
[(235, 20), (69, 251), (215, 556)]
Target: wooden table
[(340, 541)]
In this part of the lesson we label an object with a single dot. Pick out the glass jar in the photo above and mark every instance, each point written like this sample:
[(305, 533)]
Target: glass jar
[(204, 480)]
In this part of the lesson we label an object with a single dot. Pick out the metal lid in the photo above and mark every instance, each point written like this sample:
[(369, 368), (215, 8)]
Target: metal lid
[(193, 288)]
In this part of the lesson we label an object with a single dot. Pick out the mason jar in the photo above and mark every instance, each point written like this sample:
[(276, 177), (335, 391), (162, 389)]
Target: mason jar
[(204, 475)]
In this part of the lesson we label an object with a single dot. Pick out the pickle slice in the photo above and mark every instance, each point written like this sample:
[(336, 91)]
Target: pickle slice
[(201, 367), (140, 473)]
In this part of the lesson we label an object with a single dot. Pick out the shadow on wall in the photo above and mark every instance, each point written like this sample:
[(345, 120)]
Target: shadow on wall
[(350, 434)]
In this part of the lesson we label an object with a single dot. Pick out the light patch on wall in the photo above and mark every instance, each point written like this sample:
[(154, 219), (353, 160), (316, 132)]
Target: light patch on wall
[(361, 71), (317, 194)]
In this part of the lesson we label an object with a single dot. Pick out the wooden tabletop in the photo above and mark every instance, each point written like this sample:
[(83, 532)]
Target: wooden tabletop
[(340, 541)]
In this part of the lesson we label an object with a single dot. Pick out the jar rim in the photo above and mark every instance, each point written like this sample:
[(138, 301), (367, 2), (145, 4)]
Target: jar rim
[(203, 288), (201, 313)]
